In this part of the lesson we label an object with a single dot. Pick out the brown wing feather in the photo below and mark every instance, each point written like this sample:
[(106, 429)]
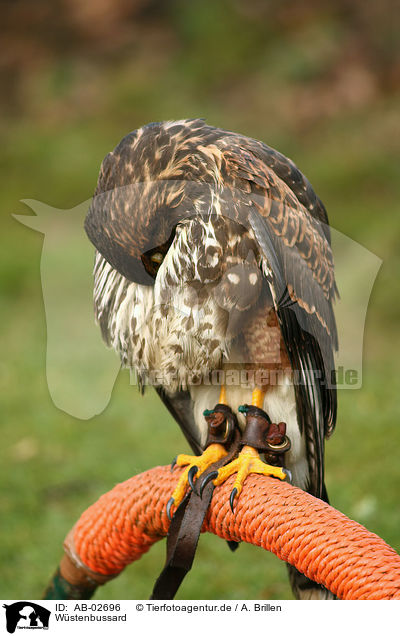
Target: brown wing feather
[(290, 225), (299, 238)]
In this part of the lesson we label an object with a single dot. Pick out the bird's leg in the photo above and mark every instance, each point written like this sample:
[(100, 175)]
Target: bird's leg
[(260, 435), (257, 397), (221, 423)]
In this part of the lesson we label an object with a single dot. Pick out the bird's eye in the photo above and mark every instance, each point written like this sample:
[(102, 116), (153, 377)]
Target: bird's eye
[(152, 261), (157, 258), (153, 258)]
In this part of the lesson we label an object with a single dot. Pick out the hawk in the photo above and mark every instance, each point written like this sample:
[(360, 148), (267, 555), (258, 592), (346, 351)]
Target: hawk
[(214, 281)]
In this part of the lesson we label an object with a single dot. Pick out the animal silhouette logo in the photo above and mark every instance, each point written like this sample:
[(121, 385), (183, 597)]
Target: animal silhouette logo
[(26, 615), (81, 371)]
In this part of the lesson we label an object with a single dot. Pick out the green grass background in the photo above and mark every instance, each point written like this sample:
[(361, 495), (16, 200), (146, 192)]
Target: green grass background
[(52, 466)]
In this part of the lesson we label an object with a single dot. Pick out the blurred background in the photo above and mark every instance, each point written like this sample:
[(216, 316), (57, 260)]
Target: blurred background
[(317, 80)]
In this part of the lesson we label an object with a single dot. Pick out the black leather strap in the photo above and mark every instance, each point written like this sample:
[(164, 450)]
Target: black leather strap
[(184, 531)]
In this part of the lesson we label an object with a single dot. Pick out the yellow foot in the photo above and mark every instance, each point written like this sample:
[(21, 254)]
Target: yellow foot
[(247, 462), (196, 465)]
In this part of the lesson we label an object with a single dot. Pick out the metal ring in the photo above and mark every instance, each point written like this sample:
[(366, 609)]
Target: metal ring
[(283, 447), (227, 430)]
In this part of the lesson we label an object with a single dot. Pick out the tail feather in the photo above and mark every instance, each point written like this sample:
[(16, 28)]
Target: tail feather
[(304, 589)]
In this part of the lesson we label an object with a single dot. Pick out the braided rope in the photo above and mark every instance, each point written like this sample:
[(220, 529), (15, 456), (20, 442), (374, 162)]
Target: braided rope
[(300, 529)]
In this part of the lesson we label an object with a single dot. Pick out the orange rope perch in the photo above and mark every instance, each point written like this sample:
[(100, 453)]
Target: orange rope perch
[(320, 541)]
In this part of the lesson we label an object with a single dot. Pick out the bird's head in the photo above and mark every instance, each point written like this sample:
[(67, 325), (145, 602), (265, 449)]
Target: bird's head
[(133, 227), (148, 184)]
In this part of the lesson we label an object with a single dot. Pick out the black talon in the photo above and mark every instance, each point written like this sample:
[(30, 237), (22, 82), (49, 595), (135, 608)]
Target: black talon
[(173, 463), (192, 472), (207, 480), (232, 497), (169, 506), (288, 474)]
